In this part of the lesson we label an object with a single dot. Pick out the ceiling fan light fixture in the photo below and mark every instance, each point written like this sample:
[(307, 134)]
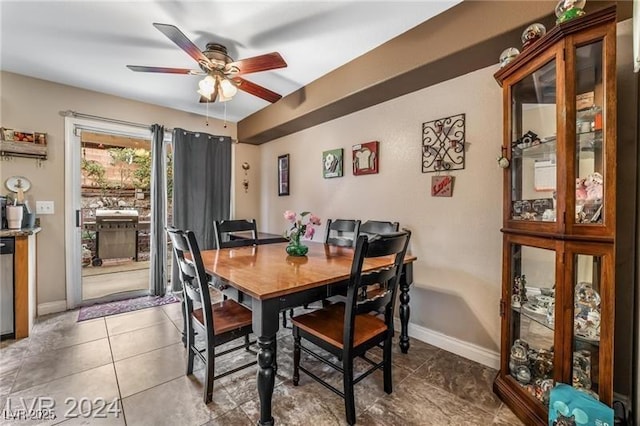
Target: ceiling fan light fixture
[(227, 88), (207, 86), (223, 75), (222, 97), (205, 95)]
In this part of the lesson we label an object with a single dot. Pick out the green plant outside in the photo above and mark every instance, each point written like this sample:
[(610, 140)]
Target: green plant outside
[(134, 167)]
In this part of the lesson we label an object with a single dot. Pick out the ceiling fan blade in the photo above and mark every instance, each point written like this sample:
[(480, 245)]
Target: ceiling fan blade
[(142, 68), (270, 61), (183, 42), (256, 90)]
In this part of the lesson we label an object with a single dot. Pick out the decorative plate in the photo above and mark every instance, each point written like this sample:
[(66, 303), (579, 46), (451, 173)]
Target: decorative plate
[(14, 183)]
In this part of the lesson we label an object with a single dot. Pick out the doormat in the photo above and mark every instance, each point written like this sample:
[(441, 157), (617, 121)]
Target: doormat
[(122, 306)]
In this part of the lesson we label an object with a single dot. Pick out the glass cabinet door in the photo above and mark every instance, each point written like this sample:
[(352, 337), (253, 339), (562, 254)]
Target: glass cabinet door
[(586, 322), (533, 319), (533, 146), (590, 135), (589, 274)]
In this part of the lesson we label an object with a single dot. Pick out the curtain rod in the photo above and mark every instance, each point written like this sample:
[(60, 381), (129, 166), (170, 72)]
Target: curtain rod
[(70, 113)]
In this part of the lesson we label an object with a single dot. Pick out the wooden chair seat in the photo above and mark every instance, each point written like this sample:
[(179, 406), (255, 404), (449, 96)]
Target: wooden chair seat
[(328, 324), (227, 315)]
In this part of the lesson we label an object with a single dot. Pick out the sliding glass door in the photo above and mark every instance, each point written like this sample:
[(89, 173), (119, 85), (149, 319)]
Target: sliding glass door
[(108, 210)]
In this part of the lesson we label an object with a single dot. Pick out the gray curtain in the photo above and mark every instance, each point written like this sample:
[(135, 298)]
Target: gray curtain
[(201, 186), (158, 212)]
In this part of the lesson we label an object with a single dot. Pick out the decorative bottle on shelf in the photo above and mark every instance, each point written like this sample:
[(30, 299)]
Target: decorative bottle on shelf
[(523, 290)]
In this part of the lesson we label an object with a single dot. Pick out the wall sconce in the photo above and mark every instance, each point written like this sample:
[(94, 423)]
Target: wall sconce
[(444, 144), (245, 181)]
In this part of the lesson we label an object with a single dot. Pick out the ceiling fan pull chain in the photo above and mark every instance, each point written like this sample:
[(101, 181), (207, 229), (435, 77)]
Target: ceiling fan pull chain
[(207, 122), (225, 115)]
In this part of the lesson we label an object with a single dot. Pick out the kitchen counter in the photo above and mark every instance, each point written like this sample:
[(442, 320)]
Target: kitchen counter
[(19, 232), (24, 278)]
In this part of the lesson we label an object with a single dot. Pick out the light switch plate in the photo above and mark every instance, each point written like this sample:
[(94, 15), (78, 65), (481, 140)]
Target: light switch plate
[(44, 207)]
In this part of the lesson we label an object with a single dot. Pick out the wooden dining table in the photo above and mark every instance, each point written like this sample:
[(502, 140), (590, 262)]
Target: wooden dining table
[(267, 280)]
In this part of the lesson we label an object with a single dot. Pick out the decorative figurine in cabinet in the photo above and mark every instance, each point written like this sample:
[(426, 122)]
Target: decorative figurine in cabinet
[(558, 295)]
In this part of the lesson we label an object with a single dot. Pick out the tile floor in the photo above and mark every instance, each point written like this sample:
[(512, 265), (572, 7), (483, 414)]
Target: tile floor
[(137, 360)]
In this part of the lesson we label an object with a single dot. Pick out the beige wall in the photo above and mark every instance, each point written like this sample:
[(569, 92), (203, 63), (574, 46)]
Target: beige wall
[(247, 204), (34, 105), (457, 240)]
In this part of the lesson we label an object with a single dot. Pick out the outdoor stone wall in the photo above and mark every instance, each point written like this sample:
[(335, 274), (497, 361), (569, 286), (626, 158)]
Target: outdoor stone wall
[(111, 180)]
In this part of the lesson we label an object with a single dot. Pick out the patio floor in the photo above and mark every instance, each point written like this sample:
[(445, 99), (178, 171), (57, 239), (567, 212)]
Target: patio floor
[(114, 277)]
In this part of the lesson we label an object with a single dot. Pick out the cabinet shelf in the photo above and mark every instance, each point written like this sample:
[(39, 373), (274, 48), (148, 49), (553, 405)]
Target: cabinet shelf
[(586, 340), (543, 150), (590, 112), (542, 320), (23, 149), (538, 318)]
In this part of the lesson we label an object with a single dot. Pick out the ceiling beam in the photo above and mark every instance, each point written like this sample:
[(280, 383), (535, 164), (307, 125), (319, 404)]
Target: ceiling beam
[(467, 37)]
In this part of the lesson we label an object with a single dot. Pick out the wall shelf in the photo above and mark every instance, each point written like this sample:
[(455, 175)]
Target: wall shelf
[(23, 149)]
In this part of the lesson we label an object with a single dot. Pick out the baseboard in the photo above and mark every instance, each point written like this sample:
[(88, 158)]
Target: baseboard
[(451, 344), (52, 307)]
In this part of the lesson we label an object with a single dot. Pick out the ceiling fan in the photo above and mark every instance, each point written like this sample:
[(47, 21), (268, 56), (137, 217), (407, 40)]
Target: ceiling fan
[(222, 73)]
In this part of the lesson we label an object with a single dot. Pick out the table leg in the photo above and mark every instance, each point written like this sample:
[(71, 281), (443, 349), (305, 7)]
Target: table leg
[(405, 282), (265, 326), (266, 377)]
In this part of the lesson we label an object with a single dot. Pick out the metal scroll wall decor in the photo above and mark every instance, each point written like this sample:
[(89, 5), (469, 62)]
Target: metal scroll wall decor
[(443, 143)]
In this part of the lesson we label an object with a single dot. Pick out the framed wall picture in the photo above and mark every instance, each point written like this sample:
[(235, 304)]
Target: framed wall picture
[(283, 174), (332, 163), (365, 158)]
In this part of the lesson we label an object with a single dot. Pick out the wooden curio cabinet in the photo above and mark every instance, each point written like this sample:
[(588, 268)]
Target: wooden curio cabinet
[(558, 290)]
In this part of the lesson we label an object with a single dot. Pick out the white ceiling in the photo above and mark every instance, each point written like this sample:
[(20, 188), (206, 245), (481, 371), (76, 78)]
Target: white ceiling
[(88, 43)]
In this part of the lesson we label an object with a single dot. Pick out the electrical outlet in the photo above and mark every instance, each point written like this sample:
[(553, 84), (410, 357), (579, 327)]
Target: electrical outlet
[(44, 207)]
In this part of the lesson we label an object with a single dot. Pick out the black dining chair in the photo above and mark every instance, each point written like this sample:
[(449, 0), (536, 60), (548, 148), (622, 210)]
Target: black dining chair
[(342, 232), (219, 323), (373, 227), (224, 230), (347, 330)]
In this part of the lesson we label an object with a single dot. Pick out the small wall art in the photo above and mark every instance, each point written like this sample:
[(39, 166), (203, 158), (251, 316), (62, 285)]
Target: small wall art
[(442, 186), (365, 158), (443, 143), (283, 174), (332, 163)]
